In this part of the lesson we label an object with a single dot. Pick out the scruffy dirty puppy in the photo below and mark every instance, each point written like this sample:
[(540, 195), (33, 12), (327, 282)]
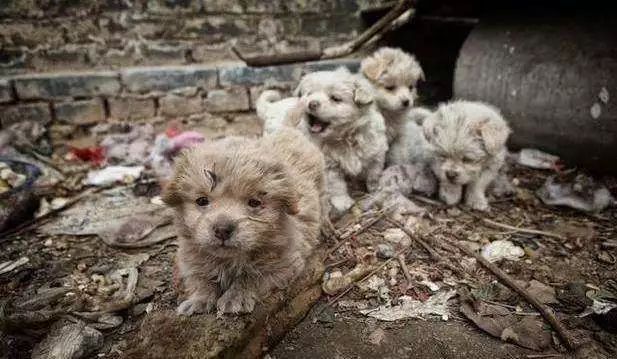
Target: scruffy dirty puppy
[(248, 214), (394, 75), (467, 141), (340, 116)]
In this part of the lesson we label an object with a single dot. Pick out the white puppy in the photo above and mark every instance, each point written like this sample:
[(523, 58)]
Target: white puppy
[(394, 75), (340, 116), (272, 110), (467, 142)]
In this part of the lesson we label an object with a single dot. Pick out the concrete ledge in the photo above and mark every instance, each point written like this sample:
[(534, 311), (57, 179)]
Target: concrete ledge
[(66, 85), (149, 79)]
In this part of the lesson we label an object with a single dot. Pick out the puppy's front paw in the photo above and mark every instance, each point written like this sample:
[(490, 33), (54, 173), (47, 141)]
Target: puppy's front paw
[(196, 304), (477, 202), (341, 204), (235, 301), (450, 194)]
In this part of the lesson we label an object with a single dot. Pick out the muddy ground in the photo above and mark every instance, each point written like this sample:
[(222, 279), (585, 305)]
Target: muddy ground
[(83, 279)]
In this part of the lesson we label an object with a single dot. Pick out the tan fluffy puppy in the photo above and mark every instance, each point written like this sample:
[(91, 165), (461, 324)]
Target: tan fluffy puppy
[(394, 74), (248, 214), (467, 142)]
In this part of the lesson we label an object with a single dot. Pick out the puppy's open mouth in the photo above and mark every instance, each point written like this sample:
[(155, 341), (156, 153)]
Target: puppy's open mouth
[(316, 125)]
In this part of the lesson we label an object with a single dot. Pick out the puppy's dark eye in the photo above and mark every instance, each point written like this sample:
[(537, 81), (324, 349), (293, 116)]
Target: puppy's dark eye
[(336, 98), (202, 201), (468, 160), (254, 203), (390, 88)]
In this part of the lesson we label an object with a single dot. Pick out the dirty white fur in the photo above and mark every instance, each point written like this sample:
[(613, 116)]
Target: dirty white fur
[(272, 110), (467, 143), (394, 74), (340, 116)]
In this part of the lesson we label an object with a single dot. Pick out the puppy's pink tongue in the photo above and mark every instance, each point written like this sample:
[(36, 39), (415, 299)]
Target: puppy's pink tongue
[(316, 127)]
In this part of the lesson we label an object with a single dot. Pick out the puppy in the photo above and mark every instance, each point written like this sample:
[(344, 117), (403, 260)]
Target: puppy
[(248, 213), (272, 110), (339, 115), (467, 141), (394, 75)]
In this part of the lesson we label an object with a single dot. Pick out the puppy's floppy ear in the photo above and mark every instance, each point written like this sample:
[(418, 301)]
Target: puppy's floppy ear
[(362, 94), (494, 134), (171, 191), (428, 127), (371, 68)]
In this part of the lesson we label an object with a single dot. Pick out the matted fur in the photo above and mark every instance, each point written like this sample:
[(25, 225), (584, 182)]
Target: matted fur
[(282, 172), (467, 141), (341, 118), (394, 74)]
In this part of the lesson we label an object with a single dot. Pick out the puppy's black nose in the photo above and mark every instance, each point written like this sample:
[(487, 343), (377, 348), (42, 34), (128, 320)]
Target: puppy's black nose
[(451, 175), (405, 102), (313, 104), (223, 230)]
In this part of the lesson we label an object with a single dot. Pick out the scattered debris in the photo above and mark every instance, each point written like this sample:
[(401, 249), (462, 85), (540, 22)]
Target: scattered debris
[(114, 174), (502, 249), (9, 266), (542, 292), (412, 308), (384, 251), (377, 336), (583, 193), (47, 206), (334, 282), (68, 340), (537, 159), (94, 155), (397, 237)]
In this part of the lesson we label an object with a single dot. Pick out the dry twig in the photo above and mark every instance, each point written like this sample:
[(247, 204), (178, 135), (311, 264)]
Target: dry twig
[(548, 315), (345, 236), (522, 230)]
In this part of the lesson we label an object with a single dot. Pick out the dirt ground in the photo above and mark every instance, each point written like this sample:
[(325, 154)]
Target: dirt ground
[(83, 279)]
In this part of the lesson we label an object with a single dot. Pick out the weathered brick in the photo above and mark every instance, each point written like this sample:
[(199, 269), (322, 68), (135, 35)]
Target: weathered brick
[(29, 112), (30, 35), (131, 108), (6, 95), (67, 85), (227, 100), (174, 6), (224, 6), (173, 105), (252, 76), (148, 79), (84, 112), (284, 88), (328, 65), (160, 53)]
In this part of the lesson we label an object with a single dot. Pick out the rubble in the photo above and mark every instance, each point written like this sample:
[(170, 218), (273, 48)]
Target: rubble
[(411, 308), (501, 249), (582, 193)]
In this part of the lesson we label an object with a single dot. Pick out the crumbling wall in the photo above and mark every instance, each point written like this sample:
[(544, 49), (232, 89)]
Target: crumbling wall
[(72, 64), (38, 35)]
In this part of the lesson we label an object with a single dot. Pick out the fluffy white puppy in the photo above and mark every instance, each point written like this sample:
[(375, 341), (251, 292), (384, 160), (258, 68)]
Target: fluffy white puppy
[(272, 110), (340, 116), (394, 74), (467, 144)]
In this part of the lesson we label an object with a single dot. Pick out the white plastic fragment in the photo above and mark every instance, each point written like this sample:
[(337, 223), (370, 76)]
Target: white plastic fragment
[(533, 158), (112, 174), (502, 249), (412, 308)]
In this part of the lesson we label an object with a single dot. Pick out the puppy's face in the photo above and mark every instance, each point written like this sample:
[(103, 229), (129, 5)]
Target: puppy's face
[(394, 75), (231, 201), (462, 140), (333, 100)]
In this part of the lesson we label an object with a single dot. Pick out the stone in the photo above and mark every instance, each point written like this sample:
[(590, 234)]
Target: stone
[(353, 65), (83, 112), (223, 6), (6, 94), (174, 105), (252, 76), (149, 79), (227, 100), (384, 251), (174, 6), (131, 108), (39, 112), (67, 85), (156, 53)]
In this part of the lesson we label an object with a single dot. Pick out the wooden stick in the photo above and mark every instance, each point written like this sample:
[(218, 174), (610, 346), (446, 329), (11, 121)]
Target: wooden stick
[(548, 315), (522, 230), (401, 261)]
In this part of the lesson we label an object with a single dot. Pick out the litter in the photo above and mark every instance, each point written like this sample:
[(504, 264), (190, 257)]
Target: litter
[(68, 340), (114, 174), (542, 292), (10, 179), (384, 251), (533, 158), (411, 308), (9, 266), (48, 206), (582, 193), (397, 237), (502, 249), (132, 148), (377, 336), (335, 281), (94, 154)]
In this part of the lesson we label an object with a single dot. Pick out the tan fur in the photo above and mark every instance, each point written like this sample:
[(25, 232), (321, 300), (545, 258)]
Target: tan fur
[(467, 142), (284, 172)]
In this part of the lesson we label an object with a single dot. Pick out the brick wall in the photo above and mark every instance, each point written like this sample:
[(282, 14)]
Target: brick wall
[(38, 36), (70, 102)]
